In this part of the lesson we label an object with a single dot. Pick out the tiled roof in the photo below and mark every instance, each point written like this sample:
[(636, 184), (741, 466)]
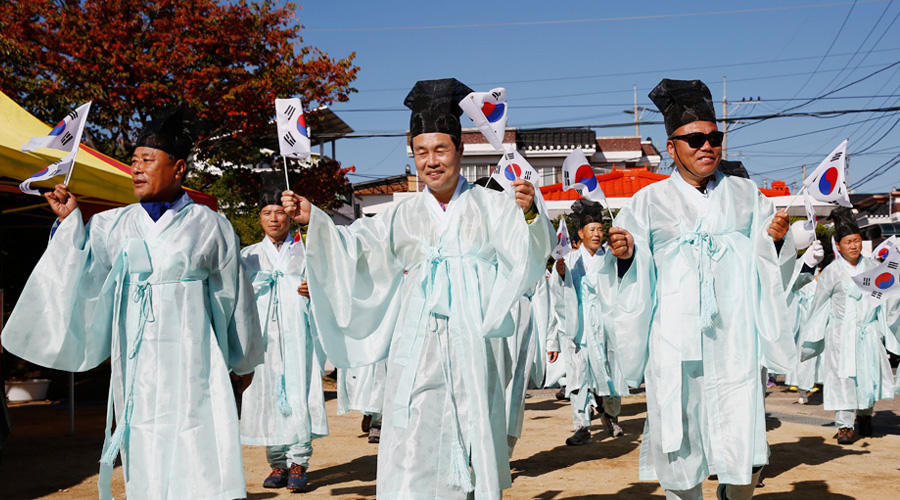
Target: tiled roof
[(613, 144)]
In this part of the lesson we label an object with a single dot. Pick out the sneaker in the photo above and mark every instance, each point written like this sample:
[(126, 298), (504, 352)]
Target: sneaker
[(580, 437), (375, 434), (366, 423), (770, 382), (864, 422), (297, 480), (277, 479), (845, 435), (612, 425)]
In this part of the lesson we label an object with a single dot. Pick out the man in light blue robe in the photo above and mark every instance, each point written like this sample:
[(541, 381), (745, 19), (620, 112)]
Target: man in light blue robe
[(855, 337), (158, 287), (585, 284), (701, 303), (284, 407), (470, 255)]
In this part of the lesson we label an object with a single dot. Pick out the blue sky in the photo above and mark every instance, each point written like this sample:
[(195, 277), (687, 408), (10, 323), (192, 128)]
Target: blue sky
[(563, 73)]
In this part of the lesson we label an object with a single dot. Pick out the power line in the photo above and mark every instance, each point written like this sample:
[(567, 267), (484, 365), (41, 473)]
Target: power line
[(584, 21)]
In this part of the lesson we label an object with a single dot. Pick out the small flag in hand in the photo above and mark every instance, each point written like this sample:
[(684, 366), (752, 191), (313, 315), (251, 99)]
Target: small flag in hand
[(488, 111), (293, 135), (577, 173), (65, 136), (827, 182), (887, 247), (563, 245), (513, 166)]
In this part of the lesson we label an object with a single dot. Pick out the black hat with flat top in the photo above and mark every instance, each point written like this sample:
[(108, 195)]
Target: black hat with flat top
[(171, 132), (682, 102), (435, 107)]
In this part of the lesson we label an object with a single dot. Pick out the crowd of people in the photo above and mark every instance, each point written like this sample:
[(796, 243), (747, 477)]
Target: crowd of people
[(440, 312)]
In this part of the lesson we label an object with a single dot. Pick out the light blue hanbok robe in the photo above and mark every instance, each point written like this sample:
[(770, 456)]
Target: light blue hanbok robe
[(285, 403), (444, 402), (856, 370), (584, 302), (362, 389), (805, 374), (169, 302), (701, 306)]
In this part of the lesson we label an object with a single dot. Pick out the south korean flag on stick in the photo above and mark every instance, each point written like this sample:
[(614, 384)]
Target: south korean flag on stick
[(563, 244), (293, 136), (578, 174), (882, 282), (65, 136), (514, 166), (886, 248), (488, 111), (827, 182)]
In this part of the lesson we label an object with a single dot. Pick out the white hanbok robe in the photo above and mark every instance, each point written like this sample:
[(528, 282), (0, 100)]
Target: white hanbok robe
[(584, 302), (544, 318), (285, 403), (362, 388), (467, 266), (856, 370), (805, 374), (702, 304), (169, 302)]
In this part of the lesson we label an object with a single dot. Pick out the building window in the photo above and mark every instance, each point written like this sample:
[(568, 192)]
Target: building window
[(550, 175), (475, 172)]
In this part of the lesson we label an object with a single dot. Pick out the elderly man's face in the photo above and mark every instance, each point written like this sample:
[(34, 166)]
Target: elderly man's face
[(592, 236), (438, 162), (701, 162), (155, 175), (275, 222)]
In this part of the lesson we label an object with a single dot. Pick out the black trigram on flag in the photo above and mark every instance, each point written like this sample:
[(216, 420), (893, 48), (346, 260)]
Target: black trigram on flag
[(837, 156), (66, 138), (289, 111), (892, 264), (288, 138), (867, 281), (510, 156), (73, 115), (527, 175), (876, 294)]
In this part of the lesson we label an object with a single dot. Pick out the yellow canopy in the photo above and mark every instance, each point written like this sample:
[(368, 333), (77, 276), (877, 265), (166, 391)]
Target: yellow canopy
[(95, 175)]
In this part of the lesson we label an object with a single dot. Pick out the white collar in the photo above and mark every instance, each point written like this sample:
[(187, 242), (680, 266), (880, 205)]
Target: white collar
[(591, 261), (276, 255), (155, 228), (701, 200), (442, 215)]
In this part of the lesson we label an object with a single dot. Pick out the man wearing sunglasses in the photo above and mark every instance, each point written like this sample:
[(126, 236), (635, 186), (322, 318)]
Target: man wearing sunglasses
[(701, 305)]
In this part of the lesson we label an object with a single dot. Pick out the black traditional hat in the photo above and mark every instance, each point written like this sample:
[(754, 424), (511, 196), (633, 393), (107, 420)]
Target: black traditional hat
[(586, 212), (488, 183), (844, 223), (435, 106), (270, 192), (733, 168), (682, 102), (171, 132)]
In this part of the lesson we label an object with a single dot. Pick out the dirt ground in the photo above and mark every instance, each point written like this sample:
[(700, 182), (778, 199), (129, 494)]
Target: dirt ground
[(40, 461)]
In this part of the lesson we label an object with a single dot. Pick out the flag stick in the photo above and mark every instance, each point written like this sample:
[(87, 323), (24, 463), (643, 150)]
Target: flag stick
[(790, 203), (287, 182), (611, 218), (74, 157)]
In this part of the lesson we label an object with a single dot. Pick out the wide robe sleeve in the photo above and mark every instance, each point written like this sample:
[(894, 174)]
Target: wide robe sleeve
[(636, 299), (812, 333), (773, 271), (235, 317), (64, 316), (354, 276)]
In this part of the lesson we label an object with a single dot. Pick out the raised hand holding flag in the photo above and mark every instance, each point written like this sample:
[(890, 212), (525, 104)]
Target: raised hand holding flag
[(827, 182), (488, 111), (65, 136), (563, 244)]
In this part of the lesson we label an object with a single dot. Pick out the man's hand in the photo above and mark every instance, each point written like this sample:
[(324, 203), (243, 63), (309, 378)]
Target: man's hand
[(298, 208), (524, 194), (551, 356), (303, 289), (561, 268), (779, 226), (621, 243), (61, 201)]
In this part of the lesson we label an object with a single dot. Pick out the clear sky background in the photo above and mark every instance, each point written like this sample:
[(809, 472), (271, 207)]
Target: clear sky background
[(574, 63)]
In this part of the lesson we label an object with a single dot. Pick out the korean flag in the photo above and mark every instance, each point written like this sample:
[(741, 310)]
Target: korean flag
[(65, 136), (488, 111), (881, 282), (827, 181), (293, 136), (577, 173)]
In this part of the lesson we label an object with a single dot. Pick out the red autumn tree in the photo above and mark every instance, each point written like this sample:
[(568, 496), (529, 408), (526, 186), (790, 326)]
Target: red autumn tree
[(134, 58)]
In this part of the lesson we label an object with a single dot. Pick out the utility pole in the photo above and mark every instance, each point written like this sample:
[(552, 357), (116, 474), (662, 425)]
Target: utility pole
[(724, 122), (637, 127), (804, 172)]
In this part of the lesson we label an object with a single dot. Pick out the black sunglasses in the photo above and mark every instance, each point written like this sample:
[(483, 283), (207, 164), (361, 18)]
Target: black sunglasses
[(696, 140)]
